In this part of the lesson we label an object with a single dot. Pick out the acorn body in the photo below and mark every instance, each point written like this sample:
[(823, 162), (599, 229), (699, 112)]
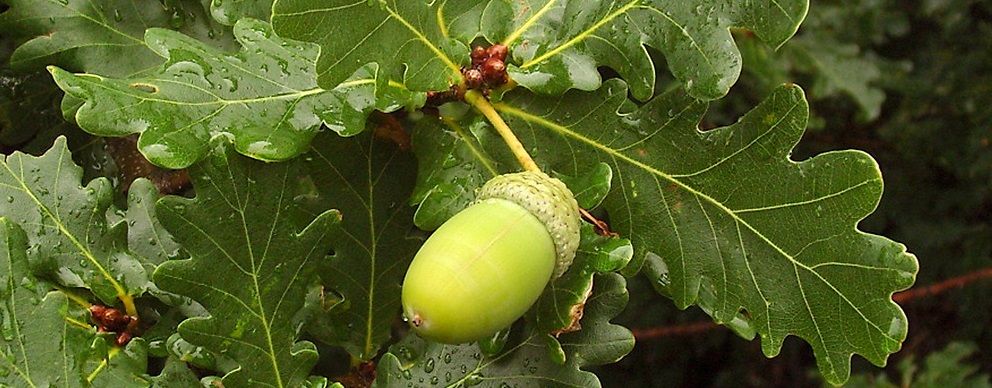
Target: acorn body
[(478, 273), (487, 265)]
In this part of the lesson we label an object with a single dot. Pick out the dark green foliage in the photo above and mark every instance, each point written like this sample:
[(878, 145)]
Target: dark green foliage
[(265, 269), (933, 140)]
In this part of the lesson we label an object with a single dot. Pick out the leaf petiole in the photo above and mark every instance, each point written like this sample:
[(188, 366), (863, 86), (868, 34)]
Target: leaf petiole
[(128, 301), (476, 99)]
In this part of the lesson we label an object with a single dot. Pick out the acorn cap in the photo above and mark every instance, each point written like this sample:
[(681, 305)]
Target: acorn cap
[(550, 201)]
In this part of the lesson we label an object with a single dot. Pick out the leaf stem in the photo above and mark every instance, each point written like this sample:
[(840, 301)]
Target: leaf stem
[(78, 323), (480, 102), (82, 302), (128, 302)]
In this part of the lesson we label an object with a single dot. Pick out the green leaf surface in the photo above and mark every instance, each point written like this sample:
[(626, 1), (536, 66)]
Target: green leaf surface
[(118, 367), (176, 374), (46, 336), (451, 164), (41, 346), (561, 44), (524, 362), (554, 45), (145, 234), (252, 256), (228, 12), (710, 228), (102, 37), (181, 350), (591, 188), (321, 382), (71, 240), (369, 180), (408, 39), (564, 298), (265, 95)]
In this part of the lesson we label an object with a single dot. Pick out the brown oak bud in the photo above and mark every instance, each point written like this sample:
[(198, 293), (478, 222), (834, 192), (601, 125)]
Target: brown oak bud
[(479, 56), (114, 320), (497, 51), (494, 72), (473, 78)]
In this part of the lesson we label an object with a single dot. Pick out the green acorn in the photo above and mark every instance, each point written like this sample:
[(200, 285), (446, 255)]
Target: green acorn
[(483, 268)]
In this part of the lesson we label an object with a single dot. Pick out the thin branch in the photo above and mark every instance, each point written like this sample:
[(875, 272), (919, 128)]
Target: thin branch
[(944, 286)]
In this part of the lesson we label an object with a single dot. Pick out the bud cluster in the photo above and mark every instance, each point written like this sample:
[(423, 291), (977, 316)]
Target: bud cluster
[(488, 68), (114, 321), (488, 71)]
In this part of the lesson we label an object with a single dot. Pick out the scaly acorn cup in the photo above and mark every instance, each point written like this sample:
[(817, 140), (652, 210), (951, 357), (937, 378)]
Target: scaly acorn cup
[(483, 268)]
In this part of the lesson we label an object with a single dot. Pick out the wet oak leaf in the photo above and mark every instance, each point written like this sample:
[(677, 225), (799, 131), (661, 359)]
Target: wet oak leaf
[(71, 239), (410, 40), (253, 255), (175, 374), (113, 366), (451, 165), (560, 44), (723, 219), (29, 359), (561, 307), (146, 235), (369, 179), (228, 12), (47, 339), (81, 35), (554, 45), (266, 95)]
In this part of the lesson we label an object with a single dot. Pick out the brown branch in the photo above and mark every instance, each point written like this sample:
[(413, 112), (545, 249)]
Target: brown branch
[(675, 331), (902, 297), (944, 286)]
